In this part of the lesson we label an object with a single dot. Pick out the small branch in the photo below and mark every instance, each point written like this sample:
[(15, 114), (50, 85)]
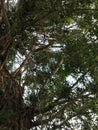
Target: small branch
[(43, 47), (54, 71), (85, 9), (58, 66), (79, 79)]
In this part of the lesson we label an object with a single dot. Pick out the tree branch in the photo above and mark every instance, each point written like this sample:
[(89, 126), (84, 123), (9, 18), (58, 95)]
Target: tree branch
[(56, 113), (5, 16), (32, 52), (54, 71)]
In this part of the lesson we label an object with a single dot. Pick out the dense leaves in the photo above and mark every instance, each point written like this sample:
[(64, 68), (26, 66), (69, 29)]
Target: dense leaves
[(48, 75)]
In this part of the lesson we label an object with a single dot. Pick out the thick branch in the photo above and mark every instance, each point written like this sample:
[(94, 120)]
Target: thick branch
[(32, 52)]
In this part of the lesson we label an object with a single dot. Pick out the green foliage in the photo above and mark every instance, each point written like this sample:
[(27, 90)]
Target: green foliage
[(54, 45)]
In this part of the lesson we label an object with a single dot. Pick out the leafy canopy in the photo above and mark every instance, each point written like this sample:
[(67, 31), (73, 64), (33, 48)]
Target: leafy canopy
[(52, 63)]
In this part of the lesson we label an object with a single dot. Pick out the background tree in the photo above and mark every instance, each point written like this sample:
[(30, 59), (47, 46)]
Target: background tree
[(49, 65)]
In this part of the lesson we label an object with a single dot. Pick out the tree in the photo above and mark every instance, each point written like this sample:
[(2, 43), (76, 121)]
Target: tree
[(49, 65)]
